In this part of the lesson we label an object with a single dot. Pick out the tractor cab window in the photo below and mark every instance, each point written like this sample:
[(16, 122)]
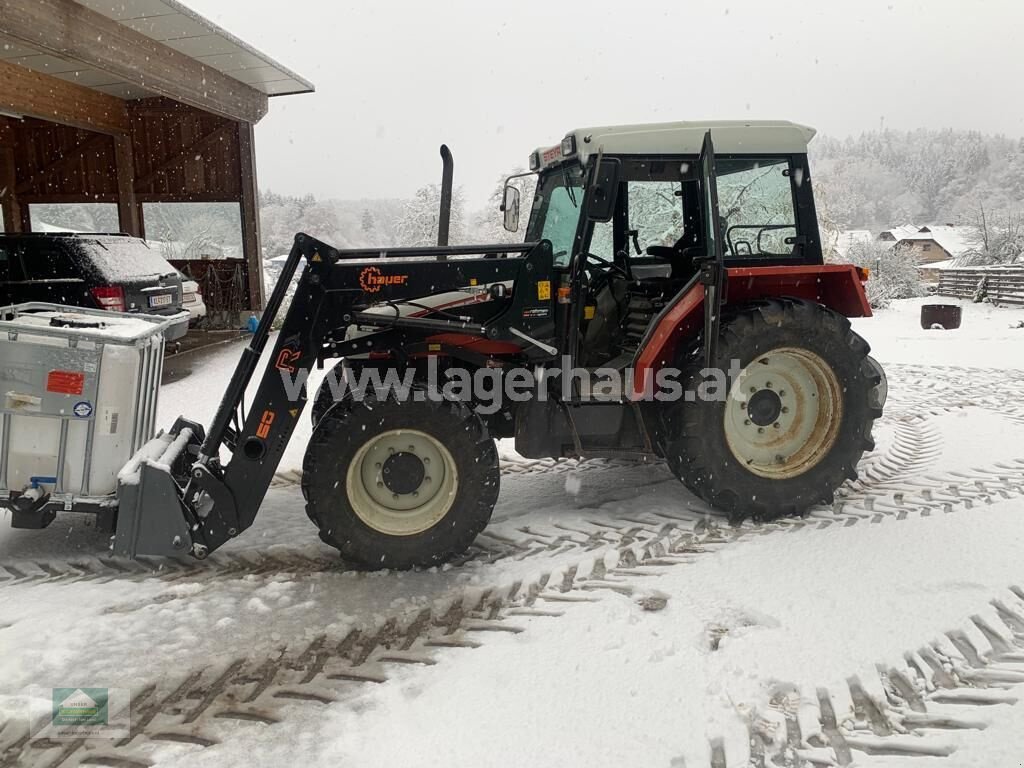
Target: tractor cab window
[(656, 212), (556, 211), (755, 203)]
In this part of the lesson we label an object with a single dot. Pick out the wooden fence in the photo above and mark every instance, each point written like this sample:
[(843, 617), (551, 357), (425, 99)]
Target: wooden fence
[(1003, 285)]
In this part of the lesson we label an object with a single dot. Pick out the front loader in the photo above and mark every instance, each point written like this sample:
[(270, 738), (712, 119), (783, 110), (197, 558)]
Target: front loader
[(612, 346)]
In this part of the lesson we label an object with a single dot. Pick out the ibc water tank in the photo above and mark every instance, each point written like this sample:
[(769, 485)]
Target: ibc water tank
[(78, 393)]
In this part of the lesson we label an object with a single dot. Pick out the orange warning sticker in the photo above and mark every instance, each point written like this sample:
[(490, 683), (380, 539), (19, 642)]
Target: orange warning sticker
[(65, 382)]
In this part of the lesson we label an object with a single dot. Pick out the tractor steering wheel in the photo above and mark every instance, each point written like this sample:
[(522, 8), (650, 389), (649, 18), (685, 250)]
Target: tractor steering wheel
[(610, 266)]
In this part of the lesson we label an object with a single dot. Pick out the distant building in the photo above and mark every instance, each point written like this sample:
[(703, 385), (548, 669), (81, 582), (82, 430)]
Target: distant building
[(934, 247), (932, 243)]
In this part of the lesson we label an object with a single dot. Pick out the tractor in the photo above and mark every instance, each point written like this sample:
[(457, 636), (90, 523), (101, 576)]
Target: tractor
[(669, 302)]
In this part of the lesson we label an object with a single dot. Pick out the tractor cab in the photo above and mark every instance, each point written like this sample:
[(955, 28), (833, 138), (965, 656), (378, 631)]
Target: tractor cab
[(627, 211)]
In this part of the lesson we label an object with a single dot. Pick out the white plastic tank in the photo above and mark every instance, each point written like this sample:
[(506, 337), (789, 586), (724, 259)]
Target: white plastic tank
[(78, 393)]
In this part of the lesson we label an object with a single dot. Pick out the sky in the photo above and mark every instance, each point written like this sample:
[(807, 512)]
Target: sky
[(494, 79)]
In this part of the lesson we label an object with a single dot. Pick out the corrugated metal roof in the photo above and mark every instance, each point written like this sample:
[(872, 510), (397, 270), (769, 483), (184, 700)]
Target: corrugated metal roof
[(176, 26)]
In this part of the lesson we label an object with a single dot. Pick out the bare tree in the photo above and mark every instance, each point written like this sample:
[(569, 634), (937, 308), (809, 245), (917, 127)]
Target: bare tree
[(997, 237)]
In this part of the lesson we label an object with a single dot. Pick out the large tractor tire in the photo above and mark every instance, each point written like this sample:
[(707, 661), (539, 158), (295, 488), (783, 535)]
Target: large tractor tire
[(400, 484), (795, 422), (324, 399)]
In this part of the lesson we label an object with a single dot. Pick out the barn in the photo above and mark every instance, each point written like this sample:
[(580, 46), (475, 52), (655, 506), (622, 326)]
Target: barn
[(136, 110)]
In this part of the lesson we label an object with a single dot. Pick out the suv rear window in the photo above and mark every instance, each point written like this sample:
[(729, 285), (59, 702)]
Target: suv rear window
[(124, 260), (48, 261)]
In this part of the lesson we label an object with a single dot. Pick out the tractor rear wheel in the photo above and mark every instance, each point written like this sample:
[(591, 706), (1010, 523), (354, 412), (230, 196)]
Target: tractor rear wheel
[(794, 423), (400, 484)]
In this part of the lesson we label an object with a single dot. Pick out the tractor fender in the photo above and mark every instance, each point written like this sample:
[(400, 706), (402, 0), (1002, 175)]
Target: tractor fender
[(840, 287)]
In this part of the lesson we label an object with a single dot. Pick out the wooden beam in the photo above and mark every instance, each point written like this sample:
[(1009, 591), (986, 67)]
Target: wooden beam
[(7, 132), (75, 32), (250, 215), (46, 97), (185, 197), (11, 208), (196, 148), (60, 162), (128, 209), (62, 197)]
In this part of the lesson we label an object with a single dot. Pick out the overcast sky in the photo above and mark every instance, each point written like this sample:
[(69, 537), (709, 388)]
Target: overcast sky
[(496, 79)]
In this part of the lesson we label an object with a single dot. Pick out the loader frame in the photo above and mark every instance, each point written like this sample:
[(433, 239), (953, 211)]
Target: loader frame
[(217, 500)]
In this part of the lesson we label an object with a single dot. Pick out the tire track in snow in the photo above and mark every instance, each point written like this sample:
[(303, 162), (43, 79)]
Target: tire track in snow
[(884, 491), (943, 687), (210, 703), (915, 446)]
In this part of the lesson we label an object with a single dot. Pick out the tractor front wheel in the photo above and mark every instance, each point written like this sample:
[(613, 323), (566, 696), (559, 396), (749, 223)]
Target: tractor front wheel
[(400, 484), (791, 427), (344, 374)]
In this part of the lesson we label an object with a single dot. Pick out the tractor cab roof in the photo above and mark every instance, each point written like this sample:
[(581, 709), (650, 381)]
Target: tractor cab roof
[(679, 138)]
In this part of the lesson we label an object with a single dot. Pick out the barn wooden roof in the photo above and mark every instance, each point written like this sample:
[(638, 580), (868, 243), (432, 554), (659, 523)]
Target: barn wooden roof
[(136, 49)]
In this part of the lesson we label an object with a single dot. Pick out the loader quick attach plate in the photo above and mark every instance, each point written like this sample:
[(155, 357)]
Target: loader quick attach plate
[(152, 519)]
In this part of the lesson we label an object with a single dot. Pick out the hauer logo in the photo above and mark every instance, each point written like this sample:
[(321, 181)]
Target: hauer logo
[(372, 280)]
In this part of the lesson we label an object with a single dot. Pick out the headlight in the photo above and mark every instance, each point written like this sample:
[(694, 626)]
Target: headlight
[(568, 146)]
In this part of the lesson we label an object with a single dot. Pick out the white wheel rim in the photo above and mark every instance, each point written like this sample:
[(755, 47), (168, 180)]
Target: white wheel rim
[(783, 413), (402, 482)]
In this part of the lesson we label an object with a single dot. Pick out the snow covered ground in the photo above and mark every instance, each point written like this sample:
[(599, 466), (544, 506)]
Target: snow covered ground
[(606, 617), (989, 336)]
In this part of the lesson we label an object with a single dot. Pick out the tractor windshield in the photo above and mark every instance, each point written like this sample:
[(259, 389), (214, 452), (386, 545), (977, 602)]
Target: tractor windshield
[(556, 210)]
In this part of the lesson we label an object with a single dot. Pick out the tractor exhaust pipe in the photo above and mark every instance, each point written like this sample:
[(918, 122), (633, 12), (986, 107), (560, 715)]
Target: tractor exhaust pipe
[(447, 172)]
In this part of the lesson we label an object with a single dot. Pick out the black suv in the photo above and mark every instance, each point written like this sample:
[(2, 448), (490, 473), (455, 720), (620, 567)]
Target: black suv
[(102, 271)]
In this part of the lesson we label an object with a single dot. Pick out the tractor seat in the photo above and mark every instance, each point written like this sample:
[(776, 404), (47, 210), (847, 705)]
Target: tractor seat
[(681, 257)]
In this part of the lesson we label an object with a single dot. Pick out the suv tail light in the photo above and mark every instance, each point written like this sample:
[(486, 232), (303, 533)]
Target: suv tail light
[(110, 297)]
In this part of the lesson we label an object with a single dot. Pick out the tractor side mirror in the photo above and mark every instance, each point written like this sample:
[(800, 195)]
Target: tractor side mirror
[(510, 207), (604, 185)]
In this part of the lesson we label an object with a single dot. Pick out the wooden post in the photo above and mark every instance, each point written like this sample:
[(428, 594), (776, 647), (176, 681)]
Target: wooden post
[(141, 218), (128, 210), (14, 214), (249, 207)]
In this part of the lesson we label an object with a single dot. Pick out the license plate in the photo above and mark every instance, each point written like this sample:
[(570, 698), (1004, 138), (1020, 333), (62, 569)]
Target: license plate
[(160, 301)]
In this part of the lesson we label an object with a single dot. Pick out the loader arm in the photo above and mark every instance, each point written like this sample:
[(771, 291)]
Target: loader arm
[(218, 500)]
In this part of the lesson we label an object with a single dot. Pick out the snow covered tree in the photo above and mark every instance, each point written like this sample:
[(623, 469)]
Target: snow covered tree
[(195, 230), (487, 225), (77, 217), (367, 223), (656, 212), (998, 238), (883, 178), (418, 223), (894, 273)]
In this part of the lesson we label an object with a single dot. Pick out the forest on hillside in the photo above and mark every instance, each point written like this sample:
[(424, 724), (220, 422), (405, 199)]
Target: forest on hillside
[(886, 178)]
